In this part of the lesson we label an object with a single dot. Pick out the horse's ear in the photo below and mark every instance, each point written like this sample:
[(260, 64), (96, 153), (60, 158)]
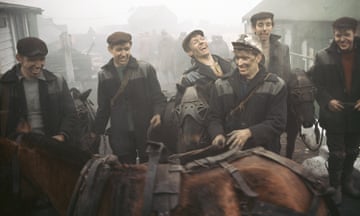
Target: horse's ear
[(180, 88), (85, 95)]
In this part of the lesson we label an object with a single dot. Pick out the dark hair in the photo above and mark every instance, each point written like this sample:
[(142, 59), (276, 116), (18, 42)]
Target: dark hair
[(261, 15), (31, 47), (345, 23)]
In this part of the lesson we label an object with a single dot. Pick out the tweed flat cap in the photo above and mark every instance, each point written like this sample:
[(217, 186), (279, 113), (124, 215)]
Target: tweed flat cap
[(185, 43), (31, 47), (118, 38)]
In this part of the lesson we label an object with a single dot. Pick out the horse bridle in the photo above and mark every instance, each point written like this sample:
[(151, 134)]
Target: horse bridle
[(197, 109), (304, 92)]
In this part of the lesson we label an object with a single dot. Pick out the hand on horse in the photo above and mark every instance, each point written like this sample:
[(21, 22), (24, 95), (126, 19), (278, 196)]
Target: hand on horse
[(335, 105), (219, 141), (59, 137), (357, 105), (155, 121), (238, 138)]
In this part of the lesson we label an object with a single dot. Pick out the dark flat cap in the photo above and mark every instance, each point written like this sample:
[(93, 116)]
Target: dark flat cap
[(261, 15), (118, 38), (31, 47), (185, 43), (345, 23)]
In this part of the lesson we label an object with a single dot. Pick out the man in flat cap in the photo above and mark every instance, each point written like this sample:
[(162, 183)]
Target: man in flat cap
[(277, 58), (33, 98), (129, 94), (336, 73), (205, 69), (248, 108)]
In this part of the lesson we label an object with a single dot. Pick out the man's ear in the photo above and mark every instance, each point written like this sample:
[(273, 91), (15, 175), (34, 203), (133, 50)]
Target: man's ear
[(260, 57), (190, 53), (19, 58), (110, 49)]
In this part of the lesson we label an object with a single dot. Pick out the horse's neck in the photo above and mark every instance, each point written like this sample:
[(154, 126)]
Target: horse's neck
[(53, 176)]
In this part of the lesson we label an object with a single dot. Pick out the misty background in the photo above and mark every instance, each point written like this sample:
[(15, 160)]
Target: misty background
[(76, 31)]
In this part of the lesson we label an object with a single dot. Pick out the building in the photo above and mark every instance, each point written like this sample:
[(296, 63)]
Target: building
[(16, 21)]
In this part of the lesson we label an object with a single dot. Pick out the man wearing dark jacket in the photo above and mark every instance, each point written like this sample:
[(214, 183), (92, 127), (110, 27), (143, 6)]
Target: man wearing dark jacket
[(129, 94), (336, 74), (277, 58), (206, 67), (248, 106), (33, 98)]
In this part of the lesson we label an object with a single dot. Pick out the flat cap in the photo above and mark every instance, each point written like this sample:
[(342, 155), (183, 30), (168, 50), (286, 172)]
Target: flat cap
[(118, 38), (248, 41), (345, 23), (261, 15), (31, 47), (185, 43)]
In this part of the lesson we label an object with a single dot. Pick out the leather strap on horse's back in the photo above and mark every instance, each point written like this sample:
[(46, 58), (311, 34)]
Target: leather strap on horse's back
[(89, 187), (162, 183), (154, 150)]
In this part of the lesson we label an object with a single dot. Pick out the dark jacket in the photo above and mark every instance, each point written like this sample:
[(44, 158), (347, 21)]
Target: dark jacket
[(264, 113), (59, 113), (328, 76), (279, 62), (142, 96), (203, 76)]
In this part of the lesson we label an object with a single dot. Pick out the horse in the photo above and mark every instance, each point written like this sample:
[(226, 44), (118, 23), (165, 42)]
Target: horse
[(300, 103), (86, 116), (55, 169)]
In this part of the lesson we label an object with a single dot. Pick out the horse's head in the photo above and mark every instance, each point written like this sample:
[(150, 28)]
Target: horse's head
[(191, 114), (301, 97)]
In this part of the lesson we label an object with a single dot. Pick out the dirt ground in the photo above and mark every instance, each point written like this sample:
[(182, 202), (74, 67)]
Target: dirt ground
[(301, 152)]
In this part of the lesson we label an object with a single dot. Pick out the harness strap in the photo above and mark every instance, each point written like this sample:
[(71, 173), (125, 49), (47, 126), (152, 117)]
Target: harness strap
[(240, 181), (154, 150), (89, 188), (121, 89), (242, 104)]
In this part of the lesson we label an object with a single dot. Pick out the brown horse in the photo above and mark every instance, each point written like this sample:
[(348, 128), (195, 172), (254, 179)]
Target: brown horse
[(54, 168)]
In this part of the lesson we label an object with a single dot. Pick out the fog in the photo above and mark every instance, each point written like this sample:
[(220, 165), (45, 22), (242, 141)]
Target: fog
[(79, 15)]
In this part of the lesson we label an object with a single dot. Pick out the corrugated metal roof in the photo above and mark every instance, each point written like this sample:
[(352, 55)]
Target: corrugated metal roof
[(10, 6), (308, 10)]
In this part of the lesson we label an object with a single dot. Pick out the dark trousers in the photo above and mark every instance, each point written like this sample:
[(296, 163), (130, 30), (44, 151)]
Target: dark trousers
[(343, 151), (132, 153)]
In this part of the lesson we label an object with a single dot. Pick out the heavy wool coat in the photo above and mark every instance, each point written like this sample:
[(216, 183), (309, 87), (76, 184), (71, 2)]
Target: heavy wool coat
[(57, 106), (142, 95)]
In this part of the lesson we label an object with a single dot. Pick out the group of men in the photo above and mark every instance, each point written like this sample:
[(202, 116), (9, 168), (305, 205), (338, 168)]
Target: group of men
[(247, 95)]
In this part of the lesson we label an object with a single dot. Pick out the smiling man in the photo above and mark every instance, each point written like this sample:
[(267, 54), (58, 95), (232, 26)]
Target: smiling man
[(33, 98), (206, 67), (277, 58), (129, 94), (336, 73), (248, 107)]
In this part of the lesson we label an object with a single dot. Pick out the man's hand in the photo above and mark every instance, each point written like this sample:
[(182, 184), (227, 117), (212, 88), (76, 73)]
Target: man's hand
[(237, 138), (357, 105), (219, 141), (59, 137), (335, 105), (155, 121)]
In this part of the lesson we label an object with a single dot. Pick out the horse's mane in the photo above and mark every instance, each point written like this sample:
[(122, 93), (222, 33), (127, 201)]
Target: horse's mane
[(61, 150)]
